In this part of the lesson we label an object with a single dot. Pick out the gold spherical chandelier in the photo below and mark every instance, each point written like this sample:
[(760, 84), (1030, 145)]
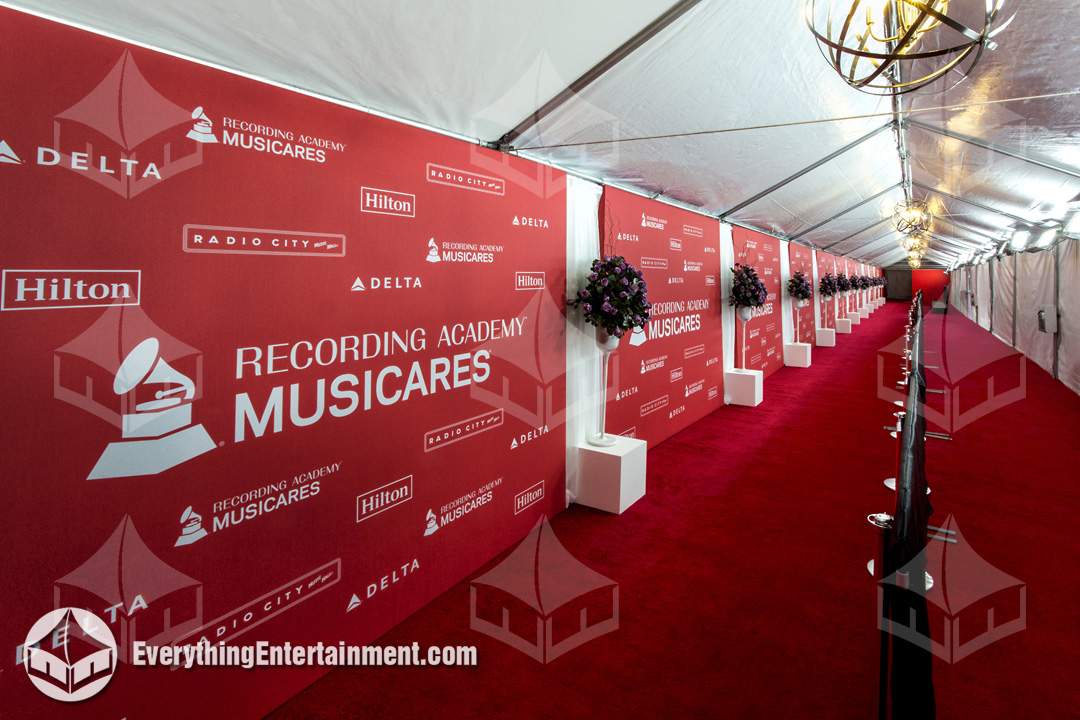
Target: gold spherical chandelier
[(912, 216), (886, 47)]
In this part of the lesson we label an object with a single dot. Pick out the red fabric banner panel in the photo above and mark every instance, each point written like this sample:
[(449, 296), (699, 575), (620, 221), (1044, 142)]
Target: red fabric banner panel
[(274, 369), (764, 338), (826, 263), (669, 374), (931, 282)]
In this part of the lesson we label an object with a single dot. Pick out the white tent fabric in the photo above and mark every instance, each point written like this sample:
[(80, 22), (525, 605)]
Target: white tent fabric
[(475, 69), (983, 296), (1004, 270), (582, 355), (1069, 307), (1034, 287)]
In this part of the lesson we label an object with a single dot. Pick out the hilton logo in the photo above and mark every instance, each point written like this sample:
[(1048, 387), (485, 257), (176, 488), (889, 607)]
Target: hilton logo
[(675, 244), (384, 498), (529, 497), (387, 202), (529, 281), (54, 289)]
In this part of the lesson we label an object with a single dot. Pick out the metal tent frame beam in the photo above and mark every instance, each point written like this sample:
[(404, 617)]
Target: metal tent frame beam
[(995, 148), (845, 211), (857, 232), (987, 208), (809, 168), (506, 142)]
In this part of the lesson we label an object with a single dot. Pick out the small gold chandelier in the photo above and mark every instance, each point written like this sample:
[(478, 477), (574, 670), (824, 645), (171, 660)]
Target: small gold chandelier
[(912, 216)]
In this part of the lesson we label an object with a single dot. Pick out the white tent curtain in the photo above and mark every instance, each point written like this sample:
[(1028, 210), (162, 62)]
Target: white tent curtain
[(582, 355), (787, 312), (982, 295), (1004, 271), (1069, 319), (1034, 287), (727, 313)]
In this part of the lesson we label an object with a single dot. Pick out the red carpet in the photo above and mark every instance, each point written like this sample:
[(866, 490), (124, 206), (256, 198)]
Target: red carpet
[(743, 591)]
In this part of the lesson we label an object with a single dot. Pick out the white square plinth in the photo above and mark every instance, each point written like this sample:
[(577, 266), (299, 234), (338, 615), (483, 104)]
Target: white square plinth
[(611, 478), (854, 318), (744, 387), (826, 337), (843, 326), (864, 312), (797, 354)]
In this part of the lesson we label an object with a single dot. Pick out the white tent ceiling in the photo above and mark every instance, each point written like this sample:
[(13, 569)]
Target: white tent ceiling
[(612, 89)]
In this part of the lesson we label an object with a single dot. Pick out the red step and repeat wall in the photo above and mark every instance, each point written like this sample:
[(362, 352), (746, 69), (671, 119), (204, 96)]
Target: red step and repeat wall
[(273, 369), (669, 374), (931, 282), (802, 259), (826, 263), (763, 334)]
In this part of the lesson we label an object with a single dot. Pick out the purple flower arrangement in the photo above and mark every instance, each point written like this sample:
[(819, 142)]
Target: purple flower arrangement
[(747, 289), (615, 298), (827, 285), (843, 284), (799, 287)]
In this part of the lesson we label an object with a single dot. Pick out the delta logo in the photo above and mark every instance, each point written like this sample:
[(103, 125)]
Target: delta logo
[(387, 202), (623, 394), (529, 436), (677, 411), (629, 237), (57, 289), (402, 282), (675, 280), (147, 137), (522, 221)]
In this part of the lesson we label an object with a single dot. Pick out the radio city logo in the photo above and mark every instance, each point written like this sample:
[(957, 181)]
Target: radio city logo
[(149, 138), (69, 654), (150, 392), (529, 281), (387, 202), (693, 231), (56, 289), (649, 263), (958, 585), (381, 499), (546, 587), (523, 221)]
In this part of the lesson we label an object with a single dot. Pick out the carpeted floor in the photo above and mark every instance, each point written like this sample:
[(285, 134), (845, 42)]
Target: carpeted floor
[(743, 589)]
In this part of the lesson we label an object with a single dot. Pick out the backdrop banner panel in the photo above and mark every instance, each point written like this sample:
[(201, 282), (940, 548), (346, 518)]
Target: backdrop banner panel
[(763, 333), (274, 370), (931, 282), (669, 374), (802, 260)]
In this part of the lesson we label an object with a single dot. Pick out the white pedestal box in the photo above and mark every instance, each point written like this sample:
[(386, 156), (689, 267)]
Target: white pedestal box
[(843, 326), (797, 354), (611, 478), (854, 318), (864, 312), (744, 387), (826, 337)]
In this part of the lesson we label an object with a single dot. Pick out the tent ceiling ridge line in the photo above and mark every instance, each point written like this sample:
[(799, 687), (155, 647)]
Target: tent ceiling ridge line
[(1064, 169)]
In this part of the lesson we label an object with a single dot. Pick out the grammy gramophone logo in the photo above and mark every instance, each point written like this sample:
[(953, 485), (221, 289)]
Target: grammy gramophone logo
[(124, 369)]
